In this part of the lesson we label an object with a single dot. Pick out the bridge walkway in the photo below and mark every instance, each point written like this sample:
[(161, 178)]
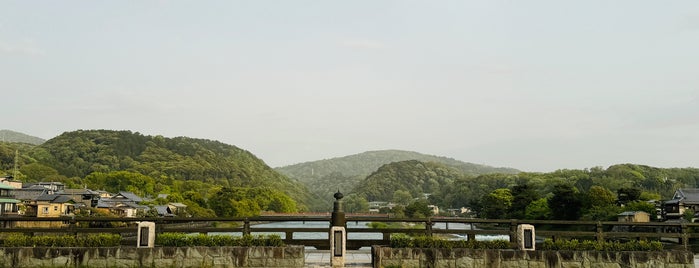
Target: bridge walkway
[(321, 258)]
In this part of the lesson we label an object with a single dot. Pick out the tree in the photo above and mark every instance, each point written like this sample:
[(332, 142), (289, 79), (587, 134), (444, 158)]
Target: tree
[(496, 204), (418, 209), (356, 203), (402, 197), (538, 210), (38, 172), (565, 203), (599, 196), (625, 195), (522, 196)]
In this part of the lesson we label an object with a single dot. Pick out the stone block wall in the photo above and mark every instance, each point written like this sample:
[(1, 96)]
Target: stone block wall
[(472, 258), (180, 257)]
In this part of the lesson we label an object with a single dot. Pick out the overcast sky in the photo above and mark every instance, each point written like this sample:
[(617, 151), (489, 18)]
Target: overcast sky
[(533, 85)]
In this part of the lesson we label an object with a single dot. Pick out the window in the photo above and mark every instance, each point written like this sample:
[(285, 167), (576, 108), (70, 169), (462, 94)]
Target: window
[(45, 210), (55, 208)]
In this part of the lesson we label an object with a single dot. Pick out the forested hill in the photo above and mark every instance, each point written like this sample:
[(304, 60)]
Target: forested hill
[(324, 177), (84, 152), (13, 136), (411, 179)]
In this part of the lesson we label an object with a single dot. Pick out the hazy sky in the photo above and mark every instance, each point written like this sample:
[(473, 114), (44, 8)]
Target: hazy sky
[(534, 85)]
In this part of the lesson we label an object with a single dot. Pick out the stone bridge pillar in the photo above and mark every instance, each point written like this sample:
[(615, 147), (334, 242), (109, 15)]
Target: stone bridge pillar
[(338, 233)]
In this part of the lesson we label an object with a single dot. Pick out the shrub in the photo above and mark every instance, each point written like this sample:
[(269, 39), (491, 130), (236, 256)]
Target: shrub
[(98, 240), (405, 241), (185, 240), (574, 244)]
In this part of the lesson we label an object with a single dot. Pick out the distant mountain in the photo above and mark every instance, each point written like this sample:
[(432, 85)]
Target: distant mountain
[(83, 152), (324, 177), (13, 136), (411, 176)]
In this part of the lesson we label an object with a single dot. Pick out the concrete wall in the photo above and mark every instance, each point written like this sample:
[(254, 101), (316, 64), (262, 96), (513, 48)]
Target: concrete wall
[(291, 256), (471, 258)]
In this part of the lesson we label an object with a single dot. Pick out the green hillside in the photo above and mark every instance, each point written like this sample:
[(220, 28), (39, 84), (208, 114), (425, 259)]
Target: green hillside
[(149, 165), (13, 136), (324, 177), (413, 177)]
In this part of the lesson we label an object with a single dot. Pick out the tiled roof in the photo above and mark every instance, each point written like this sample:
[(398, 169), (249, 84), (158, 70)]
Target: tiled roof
[(54, 198), (131, 196), (689, 195)]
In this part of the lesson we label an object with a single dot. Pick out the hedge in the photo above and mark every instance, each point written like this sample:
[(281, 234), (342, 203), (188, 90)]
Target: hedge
[(92, 240), (405, 241), (186, 240), (574, 244)]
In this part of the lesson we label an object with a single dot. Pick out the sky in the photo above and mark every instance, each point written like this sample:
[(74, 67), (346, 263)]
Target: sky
[(532, 85)]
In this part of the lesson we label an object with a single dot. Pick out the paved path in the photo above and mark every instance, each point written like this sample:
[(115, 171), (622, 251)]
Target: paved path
[(354, 258)]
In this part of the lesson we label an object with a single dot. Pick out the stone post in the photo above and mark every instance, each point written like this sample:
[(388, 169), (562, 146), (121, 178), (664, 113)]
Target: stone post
[(526, 237), (338, 233), (146, 234)]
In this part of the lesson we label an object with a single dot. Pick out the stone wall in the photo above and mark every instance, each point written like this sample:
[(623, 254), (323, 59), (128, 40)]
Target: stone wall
[(471, 258), (181, 257)]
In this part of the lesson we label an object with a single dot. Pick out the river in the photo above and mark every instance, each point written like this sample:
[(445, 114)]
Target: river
[(361, 224)]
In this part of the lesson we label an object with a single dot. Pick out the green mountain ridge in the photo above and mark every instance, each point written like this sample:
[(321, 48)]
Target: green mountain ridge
[(324, 177), (410, 176), (7, 135), (176, 165)]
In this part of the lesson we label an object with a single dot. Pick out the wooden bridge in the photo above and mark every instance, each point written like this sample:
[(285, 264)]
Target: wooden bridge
[(676, 234)]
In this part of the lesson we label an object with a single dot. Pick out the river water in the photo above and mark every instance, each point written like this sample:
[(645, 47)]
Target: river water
[(352, 224)]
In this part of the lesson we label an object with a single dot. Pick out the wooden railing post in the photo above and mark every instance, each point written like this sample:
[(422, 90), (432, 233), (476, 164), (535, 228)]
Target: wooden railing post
[(599, 232), (685, 236), (513, 231), (246, 226), (428, 226)]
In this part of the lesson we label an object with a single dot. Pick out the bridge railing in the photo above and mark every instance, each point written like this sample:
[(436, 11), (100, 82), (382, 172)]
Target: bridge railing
[(679, 233)]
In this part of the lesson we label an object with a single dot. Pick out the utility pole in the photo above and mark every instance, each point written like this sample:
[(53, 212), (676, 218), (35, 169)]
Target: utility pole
[(15, 170)]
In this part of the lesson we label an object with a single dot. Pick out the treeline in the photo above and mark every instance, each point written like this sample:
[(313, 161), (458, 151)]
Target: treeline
[(325, 177), (588, 194), (191, 170)]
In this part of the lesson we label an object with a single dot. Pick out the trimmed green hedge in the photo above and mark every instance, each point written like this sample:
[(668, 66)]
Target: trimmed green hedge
[(574, 244), (92, 240), (405, 241), (186, 240)]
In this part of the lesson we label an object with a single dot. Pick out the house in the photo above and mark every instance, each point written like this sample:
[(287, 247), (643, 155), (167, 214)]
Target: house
[(8, 203), (31, 192), (87, 197), (686, 198), (178, 208), (9, 181), (434, 209), (51, 206), (53, 186), (123, 204), (633, 216), (164, 211)]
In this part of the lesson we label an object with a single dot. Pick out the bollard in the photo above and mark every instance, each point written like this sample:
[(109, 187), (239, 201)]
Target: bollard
[(338, 234), (146, 234), (526, 237)]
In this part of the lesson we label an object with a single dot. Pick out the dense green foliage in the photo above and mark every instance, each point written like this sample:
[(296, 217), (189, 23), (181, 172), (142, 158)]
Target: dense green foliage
[(17, 137), (190, 170), (412, 177), (213, 178), (562, 244), (203, 240), (405, 241), (91, 240), (589, 194), (325, 177), (248, 202)]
